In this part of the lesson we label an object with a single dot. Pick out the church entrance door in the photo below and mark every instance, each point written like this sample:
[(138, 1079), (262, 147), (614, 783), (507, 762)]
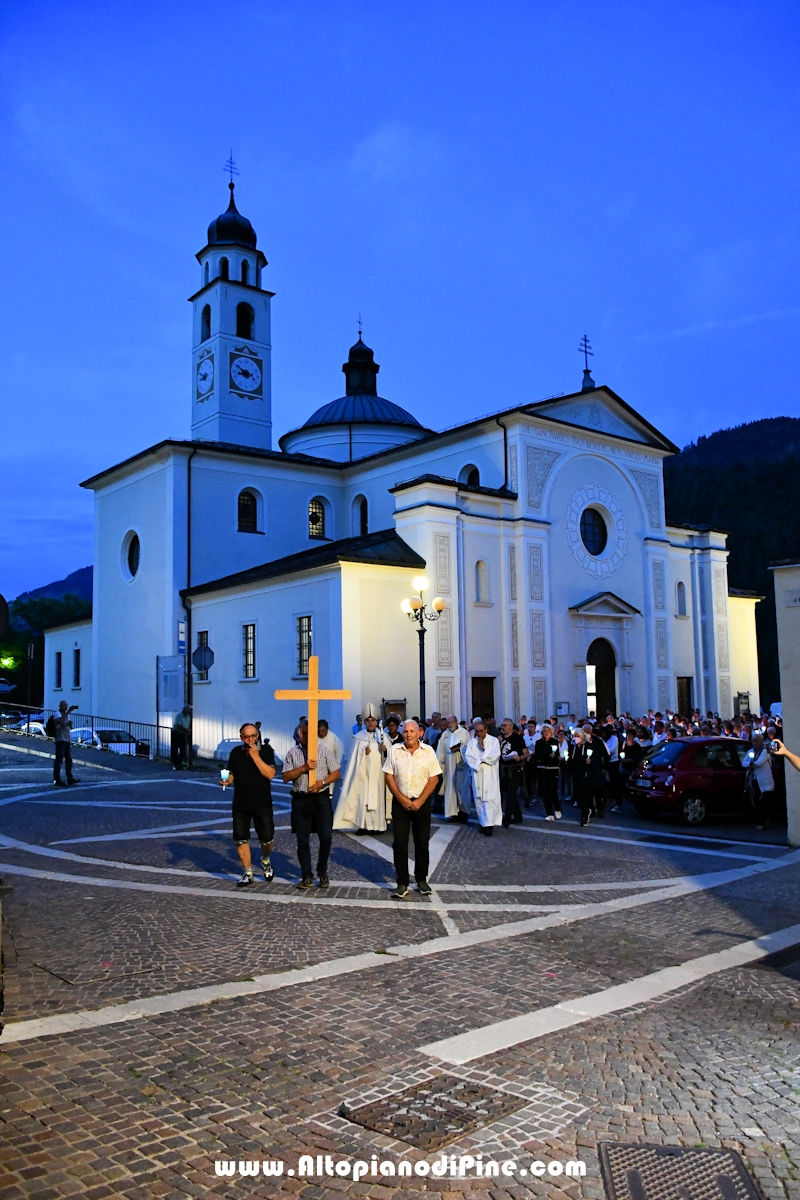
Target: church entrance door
[(482, 696), (601, 670)]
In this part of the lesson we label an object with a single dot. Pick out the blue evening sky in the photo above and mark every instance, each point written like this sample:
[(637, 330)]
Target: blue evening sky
[(483, 182)]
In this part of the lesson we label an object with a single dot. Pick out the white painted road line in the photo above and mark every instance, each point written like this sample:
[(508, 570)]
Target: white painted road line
[(66, 1022), (603, 837), (20, 770), (316, 897), (154, 830), (491, 1039)]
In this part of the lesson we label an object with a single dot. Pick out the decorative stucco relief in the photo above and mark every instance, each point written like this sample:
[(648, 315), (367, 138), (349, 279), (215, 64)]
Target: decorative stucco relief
[(651, 490), (539, 464), (611, 559), (535, 571)]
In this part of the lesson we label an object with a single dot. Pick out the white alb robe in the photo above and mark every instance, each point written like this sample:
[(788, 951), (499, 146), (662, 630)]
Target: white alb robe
[(486, 779), (457, 775), (363, 803)]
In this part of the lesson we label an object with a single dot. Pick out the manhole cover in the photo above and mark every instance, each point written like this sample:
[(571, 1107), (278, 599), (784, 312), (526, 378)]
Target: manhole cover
[(632, 1172), (433, 1114)]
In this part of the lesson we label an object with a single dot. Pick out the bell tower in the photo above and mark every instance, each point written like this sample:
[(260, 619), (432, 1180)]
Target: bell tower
[(232, 343)]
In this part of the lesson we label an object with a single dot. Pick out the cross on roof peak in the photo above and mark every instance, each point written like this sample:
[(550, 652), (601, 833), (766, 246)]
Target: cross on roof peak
[(585, 348)]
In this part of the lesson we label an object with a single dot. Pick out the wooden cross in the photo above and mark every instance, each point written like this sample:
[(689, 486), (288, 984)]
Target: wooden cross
[(313, 695)]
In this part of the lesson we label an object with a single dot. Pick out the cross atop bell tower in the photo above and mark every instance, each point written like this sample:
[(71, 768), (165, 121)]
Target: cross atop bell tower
[(232, 341)]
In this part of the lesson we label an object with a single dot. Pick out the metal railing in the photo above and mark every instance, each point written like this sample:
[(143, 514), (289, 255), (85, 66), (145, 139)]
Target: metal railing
[(101, 733)]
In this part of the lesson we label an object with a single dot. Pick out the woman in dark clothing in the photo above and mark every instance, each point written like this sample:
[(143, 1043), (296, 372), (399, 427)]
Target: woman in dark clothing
[(630, 755), (588, 772), (546, 759)]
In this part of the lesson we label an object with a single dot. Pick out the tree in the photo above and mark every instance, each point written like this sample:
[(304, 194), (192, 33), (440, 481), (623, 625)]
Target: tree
[(28, 621)]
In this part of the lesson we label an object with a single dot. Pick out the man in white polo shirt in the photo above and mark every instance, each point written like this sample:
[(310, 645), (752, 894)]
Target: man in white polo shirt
[(412, 773)]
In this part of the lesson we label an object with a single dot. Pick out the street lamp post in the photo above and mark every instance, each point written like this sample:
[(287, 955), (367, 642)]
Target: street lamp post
[(418, 612)]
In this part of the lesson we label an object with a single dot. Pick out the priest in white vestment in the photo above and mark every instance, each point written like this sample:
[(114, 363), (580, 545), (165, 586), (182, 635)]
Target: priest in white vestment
[(365, 801), (457, 775), (483, 757)]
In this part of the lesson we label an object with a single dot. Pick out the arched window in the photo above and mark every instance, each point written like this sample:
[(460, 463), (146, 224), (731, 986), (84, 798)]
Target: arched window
[(594, 534), (205, 273), (248, 512), (360, 522), (680, 592), (223, 268), (205, 323), (470, 475), (244, 321), (481, 582), (245, 270), (316, 519)]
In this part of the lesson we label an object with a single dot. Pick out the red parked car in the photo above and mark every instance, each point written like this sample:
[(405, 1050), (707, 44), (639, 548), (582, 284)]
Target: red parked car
[(692, 778)]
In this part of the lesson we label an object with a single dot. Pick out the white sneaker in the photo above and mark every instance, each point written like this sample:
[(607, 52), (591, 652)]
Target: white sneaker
[(558, 816), (549, 818)]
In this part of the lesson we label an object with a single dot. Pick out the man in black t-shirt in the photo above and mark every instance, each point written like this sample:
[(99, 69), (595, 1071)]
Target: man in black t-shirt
[(513, 753), (251, 771)]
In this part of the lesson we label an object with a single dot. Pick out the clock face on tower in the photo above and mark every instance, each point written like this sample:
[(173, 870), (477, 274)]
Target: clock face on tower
[(205, 377), (246, 373)]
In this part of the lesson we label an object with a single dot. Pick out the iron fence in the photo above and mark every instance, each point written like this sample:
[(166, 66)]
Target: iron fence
[(101, 733)]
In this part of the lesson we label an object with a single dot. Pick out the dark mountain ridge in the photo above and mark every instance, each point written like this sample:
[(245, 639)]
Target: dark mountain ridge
[(77, 583), (745, 480)]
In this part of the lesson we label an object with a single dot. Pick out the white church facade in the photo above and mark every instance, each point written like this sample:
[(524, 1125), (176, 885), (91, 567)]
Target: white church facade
[(541, 527)]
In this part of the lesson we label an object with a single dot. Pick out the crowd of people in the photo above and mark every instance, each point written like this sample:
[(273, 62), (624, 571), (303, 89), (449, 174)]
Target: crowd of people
[(397, 772)]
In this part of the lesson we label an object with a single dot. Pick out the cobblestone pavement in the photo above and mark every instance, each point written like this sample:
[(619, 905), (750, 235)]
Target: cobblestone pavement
[(122, 894)]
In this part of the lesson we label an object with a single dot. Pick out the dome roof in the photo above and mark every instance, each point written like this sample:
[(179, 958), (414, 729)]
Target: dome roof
[(231, 228), (364, 410)]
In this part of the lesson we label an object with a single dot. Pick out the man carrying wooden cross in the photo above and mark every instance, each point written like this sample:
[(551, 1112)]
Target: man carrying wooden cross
[(312, 811), (311, 769)]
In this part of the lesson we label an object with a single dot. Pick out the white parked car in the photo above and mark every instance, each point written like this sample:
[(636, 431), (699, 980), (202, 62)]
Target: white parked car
[(86, 737), (119, 741), (35, 727)]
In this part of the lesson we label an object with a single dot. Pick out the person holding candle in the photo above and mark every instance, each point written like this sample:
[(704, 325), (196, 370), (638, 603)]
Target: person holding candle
[(588, 765), (250, 772), (547, 759)]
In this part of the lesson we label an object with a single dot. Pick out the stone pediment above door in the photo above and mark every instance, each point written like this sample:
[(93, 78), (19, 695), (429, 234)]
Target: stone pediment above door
[(604, 604)]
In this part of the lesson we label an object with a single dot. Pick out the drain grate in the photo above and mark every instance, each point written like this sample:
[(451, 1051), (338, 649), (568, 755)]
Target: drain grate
[(434, 1113), (633, 1172)]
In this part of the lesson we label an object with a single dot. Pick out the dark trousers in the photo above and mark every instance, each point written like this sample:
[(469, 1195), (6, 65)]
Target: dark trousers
[(762, 803), (584, 793), (509, 786), (403, 824), (529, 780), (63, 754), (548, 790), (312, 812), (179, 747)]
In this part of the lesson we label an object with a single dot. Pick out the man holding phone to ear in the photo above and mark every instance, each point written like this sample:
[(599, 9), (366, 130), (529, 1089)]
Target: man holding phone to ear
[(251, 772)]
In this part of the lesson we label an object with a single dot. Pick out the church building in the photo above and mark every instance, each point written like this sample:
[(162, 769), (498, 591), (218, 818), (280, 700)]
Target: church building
[(541, 527)]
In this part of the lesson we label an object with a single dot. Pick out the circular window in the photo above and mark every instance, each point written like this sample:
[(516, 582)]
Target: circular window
[(131, 552), (594, 534)]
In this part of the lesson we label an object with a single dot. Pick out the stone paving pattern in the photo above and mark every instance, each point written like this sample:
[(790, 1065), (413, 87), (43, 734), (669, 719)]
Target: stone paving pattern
[(142, 1109)]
